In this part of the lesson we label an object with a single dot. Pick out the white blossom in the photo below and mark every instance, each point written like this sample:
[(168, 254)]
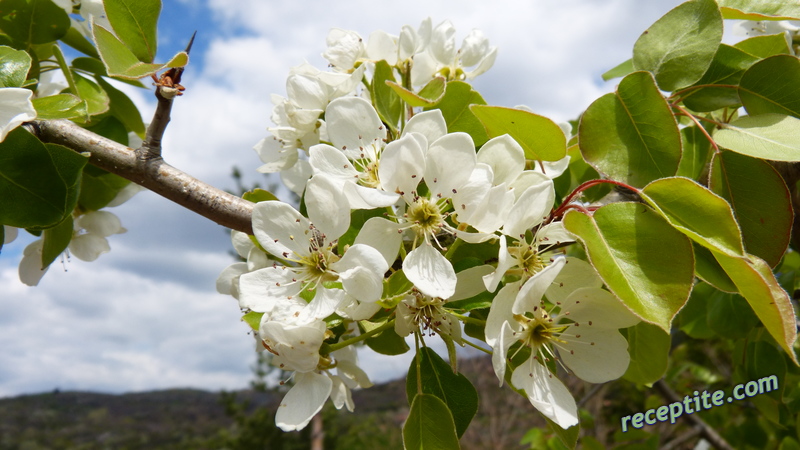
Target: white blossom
[(15, 108)]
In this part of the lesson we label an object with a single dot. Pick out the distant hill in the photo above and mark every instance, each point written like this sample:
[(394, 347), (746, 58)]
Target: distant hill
[(195, 419)]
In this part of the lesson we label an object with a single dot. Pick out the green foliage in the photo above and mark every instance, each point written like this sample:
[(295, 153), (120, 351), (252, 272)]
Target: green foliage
[(649, 347), (33, 22), (456, 109), (642, 260), (14, 67), (429, 425), (539, 136)]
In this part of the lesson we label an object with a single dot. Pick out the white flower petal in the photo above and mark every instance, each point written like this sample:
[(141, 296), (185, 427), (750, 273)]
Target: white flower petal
[(9, 234), (328, 208), (303, 401), (404, 320), (470, 282), (474, 48), (491, 213), (430, 124), (382, 46), (281, 229), (500, 312), (486, 63), (531, 293), (15, 108), (88, 247), (597, 356), (554, 233), (505, 156), (504, 262), (341, 394), (449, 163), (352, 309), (298, 346), (226, 279), (471, 194), (599, 306), (361, 271), (262, 289), (530, 209), (504, 340), (361, 197), (100, 223), (30, 267), (241, 243), (576, 274), (323, 304), (296, 177), (553, 169), (328, 160), (443, 43), (430, 272), (345, 47), (353, 124), (381, 234), (546, 393), (402, 166)]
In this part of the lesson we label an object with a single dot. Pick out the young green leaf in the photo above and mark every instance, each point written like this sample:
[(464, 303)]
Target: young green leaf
[(720, 80), (631, 135), (14, 67), (430, 95), (766, 136), (624, 68), (640, 257), (696, 153), (135, 23), (56, 240), (540, 137), (97, 101), (123, 108), (387, 342), (770, 86), (429, 425), (38, 183), (679, 47), (649, 348), (708, 269), (696, 212), (765, 46), (61, 106), (33, 21), (387, 102), (455, 107), (729, 315), (122, 62), (769, 301), (99, 187), (760, 200), (759, 9), (438, 380)]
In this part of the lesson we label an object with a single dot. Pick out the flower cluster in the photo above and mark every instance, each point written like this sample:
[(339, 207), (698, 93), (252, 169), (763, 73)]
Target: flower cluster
[(403, 224)]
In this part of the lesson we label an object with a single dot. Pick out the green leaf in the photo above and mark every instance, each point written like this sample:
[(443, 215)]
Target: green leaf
[(253, 319), (723, 75), (439, 380), (110, 127), (619, 71), (259, 195), (135, 23), (760, 200), (56, 240), (773, 306), (539, 136), (14, 67), (696, 212), (123, 108), (770, 86), (708, 269), (649, 347), (121, 62), (632, 135), (729, 315), (568, 437), (387, 102), (99, 187), (759, 9), (429, 425), (38, 183), (430, 95), (455, 107), (97, 101), (696, 153), (765, 46), (61, 106), (33, 21), (692, 318), (387, 342), (766, 136), (640, 257), (679, 47)]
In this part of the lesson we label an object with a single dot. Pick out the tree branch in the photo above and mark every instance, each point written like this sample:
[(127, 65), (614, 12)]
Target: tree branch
[(153, 173)]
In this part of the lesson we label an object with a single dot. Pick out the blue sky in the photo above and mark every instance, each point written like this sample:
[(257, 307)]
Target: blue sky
[(146, 315)]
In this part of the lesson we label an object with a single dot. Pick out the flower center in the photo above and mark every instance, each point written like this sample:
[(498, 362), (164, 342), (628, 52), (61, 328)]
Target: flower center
[(315, 267), (538, 331), (425, 216), (369, 177), (528, 257)]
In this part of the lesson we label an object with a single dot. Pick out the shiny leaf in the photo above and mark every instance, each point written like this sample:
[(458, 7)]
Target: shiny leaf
[(539, 136), (766, 136)]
